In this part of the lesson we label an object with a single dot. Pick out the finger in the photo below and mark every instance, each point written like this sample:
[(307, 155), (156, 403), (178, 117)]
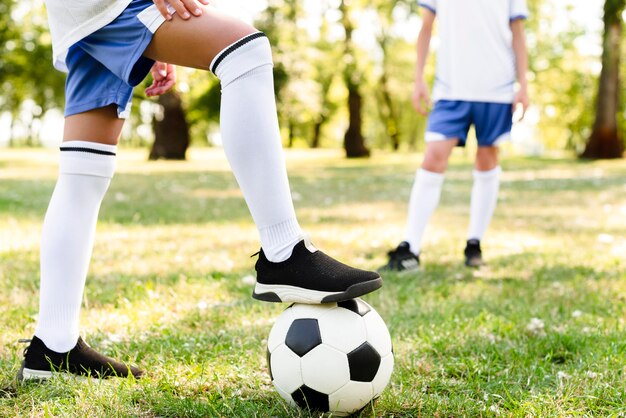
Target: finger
[(419, 108), (524, 108), (159, 71), (180, 8), (162, 8), (159, 89), (193, 6)]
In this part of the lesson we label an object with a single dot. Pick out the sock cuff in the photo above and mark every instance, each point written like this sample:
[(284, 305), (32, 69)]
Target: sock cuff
[(429, 177), (241, 57), (278, 234), (87, 158), (494, 172)]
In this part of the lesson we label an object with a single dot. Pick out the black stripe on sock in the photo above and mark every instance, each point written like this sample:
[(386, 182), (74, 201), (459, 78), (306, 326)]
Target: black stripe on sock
[(234, 47), (88, 150)]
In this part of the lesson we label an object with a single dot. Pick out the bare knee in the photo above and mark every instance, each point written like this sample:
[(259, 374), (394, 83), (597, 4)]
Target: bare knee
[(486, 158), (437, 155)]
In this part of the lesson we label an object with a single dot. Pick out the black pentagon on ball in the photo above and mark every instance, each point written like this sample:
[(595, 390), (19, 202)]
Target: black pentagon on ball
[(308, 398), (364, 362), (355, 305), (303, 336)]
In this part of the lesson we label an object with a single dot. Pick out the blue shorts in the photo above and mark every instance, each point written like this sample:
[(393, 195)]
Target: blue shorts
[(452, 119), (104, 67)]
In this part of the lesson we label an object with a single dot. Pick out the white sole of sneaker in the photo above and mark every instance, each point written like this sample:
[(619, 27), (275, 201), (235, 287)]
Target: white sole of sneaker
[(29, 374), (289, 294), (292, 294)]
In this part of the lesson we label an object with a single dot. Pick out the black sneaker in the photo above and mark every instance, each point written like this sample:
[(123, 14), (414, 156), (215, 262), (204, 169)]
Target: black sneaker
[(402, 259), (473, 254), (310, 276), (39, 362)]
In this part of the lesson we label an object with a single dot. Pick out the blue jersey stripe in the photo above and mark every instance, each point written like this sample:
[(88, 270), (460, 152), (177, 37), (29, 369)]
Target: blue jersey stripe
[(426, 6), (518, 17)]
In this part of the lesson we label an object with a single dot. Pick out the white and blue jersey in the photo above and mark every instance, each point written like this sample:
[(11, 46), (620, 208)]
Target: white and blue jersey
[(475, 59), (475, 74), (105, 66)]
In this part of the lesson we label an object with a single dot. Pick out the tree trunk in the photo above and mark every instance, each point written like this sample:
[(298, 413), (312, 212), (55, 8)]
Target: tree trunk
[(291, 134), (317, 132), (171, 132), (388, 112), (606, 140), (353, 141)]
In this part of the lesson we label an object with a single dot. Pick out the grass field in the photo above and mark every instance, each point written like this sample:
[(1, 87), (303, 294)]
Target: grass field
[(538, 332)]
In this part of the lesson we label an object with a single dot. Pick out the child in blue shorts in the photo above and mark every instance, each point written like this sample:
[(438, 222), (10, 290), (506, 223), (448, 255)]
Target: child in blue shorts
[(481, 51), (107, 48)]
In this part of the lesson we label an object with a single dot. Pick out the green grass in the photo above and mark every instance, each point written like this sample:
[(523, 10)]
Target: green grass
[(539, 332)]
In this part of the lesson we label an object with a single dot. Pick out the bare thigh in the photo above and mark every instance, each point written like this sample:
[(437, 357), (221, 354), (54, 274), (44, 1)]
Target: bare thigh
[(190, 43), (195, 42), (98, 125)]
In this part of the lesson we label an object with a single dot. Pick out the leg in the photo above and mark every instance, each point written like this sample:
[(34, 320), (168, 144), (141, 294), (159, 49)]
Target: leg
[(86, 166), (251, 138), (437, 155), (289, 269), (484, 191), (493, 123), (483, 201), (427, 190), (424, 199), (100, 125), (486, 158)]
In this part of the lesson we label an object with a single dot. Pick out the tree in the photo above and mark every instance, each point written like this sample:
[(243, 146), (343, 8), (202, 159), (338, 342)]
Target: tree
[(171, 130), (389, 102), (24, 40), (354, 142), (606, 140)]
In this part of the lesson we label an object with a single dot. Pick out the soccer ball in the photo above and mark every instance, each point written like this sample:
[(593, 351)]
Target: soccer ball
[(333, 357)]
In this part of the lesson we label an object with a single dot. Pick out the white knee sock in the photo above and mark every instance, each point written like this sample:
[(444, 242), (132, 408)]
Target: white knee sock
[(85, 171), (425, 196), (483, 204), (252, 142)]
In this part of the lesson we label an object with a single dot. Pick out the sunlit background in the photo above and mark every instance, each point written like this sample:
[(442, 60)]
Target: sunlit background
[(571, 25)]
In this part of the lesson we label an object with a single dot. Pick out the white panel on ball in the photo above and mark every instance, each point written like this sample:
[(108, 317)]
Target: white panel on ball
[(325, 369), (301, 310), (285, 365), (350, 398), (377, 333), (279, 330), (342, 329), (384, 374), (286, 396)]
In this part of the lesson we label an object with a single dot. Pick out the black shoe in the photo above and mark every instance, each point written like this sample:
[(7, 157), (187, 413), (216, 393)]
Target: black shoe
[(402, 259), (39, 362), (310, 276), (473, 254)]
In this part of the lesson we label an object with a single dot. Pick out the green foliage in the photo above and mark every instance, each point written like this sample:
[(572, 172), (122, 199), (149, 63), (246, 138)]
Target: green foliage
[(25, 70), (562, 83), (613, 10), (310, 63)]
